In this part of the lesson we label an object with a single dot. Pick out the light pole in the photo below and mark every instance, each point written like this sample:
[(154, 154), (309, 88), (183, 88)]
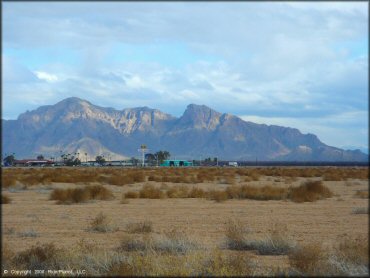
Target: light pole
[(143, 149)]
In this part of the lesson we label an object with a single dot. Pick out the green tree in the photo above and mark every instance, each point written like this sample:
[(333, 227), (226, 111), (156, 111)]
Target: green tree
[(40, 157), (162, 155), (151, 158), (100, 159), (9, 160)]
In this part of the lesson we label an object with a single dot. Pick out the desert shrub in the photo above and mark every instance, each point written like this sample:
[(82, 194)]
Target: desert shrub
[(138, 176), (99, 192), (362, 194), (79, 195), (276, 243), (235, 233), (309, 191), (255, 176), (256, 193), (178, 192), (129, 244), (197, 193), (101, 224), (217, 195), (39, 256), (177, 244), (307, 259), (151, 192), (7, 180), (221, 264), (354, 251), (116, 180), (140, 227), (132, 195), (334, 175), (5, 199), (349, 258), (7, 256)]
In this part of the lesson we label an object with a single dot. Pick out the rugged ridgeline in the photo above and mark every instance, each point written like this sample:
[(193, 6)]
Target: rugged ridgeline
[(76, 125)]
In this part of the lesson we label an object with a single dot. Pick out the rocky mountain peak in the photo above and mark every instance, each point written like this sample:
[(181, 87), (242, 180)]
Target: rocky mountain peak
[(76, 124), (200, 117)]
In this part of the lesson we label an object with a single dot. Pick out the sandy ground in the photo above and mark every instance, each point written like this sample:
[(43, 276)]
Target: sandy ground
[(323, 221)]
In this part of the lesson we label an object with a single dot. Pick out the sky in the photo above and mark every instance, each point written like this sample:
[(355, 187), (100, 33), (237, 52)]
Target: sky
[(296, 64)]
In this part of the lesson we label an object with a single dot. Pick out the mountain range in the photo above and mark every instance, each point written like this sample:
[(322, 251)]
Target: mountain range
[(75, 125)]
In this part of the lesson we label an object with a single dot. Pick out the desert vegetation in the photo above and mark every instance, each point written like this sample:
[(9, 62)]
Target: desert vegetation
[(5, 199), (80, 195), (308, 191), (173, 253), (116, 176), (272, 221)]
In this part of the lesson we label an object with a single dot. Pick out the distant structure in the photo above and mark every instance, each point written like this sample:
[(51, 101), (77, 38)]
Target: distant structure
[(177, 163), (33, 162), (233, 163)]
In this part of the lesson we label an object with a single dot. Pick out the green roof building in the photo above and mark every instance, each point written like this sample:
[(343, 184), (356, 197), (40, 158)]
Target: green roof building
[(176, 163)]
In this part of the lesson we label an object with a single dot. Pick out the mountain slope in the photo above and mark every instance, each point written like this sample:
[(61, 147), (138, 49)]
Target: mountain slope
[(76, 125)]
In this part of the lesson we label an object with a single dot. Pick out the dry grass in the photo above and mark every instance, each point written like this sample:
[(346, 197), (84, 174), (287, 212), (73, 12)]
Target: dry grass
[(175, 254), (132, 195), (256, 193), (140, 227), (275, 243), (217, 195), (124, 200), (120, 177), (5, 199), (364, 194), (236, 233), (309, 191), (151, 192), (80, 195), (349, 258), (307, 259), (39, 256), (101, 224)]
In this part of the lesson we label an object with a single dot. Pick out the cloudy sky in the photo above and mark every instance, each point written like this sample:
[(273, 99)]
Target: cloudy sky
[(302, 65)]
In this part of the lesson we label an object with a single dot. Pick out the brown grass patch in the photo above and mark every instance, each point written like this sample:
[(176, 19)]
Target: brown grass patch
[(309, 191), (5, 199), (217, 195), (143, 227), (101, 224), (151, 192), (80, 195), (132, 195), (306, 259), (364, 194), (39, 256)]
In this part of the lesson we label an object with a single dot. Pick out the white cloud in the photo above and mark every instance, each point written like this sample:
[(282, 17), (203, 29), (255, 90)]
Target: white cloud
[(46, 76)]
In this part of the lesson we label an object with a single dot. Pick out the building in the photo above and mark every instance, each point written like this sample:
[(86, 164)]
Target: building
[(33, 162), (177, 163)]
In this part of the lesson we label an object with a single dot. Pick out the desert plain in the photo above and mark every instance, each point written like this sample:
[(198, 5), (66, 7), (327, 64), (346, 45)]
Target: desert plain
[(186, 221)]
